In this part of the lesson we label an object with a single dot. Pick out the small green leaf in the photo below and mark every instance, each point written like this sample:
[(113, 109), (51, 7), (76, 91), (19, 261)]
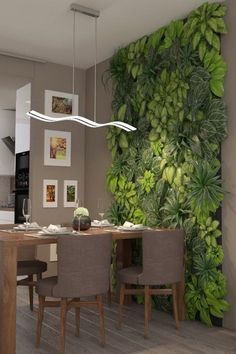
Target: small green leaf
[(196, 39), (209, 35), (217, 87), (202, 49), (216, 41), (121, 112), (213, 23)]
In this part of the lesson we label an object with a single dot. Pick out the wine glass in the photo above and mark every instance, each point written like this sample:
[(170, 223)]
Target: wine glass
[(101, 208), (26, 211)]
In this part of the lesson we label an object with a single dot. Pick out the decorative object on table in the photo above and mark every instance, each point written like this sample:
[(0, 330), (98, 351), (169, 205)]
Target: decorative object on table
[(101, 223), (50, 192), (57, 148), (81, 220), (59, 104), (65, 106), (26, 211), (70, 193), (101, 208)]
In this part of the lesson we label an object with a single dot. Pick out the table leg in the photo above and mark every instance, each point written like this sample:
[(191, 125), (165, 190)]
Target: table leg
[(8, 256)]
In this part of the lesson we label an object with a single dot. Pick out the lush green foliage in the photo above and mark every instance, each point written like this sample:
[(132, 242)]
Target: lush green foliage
[(170, 86)]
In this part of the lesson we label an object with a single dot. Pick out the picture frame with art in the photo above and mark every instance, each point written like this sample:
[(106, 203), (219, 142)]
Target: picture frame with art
[(60, 104), (57, 148), (70, 193), (50, 193)]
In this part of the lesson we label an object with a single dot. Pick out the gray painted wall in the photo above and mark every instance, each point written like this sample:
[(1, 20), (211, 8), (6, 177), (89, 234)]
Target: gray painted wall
[(57, 78), (97, 156), (229, 166)]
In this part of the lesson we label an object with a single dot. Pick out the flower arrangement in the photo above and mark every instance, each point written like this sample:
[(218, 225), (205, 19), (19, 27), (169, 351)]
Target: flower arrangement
[(81, 212)]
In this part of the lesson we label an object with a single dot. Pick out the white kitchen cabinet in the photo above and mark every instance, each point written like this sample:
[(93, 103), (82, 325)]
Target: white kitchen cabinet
[(6, 217)]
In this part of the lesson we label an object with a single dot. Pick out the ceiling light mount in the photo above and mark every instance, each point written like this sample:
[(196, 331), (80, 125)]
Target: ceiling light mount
[(85, 10)]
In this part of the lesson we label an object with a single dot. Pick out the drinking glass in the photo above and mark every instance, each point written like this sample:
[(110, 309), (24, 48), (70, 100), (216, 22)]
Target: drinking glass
[(26, 211), (101, 208)]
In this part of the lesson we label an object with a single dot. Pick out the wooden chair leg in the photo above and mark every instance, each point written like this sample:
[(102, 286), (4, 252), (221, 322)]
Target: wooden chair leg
[(150, 308), (146, 311), (101, 319), (77, 320), (122, 297), (175, 306), (109, 295), (39, 276), (63, 324), (31, 292), (40, 320)]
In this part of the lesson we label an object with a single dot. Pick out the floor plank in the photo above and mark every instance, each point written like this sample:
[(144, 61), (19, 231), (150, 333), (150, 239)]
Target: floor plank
[(192, 338)]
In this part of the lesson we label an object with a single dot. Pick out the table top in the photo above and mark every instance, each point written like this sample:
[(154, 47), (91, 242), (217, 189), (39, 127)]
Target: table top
[(21, 238)]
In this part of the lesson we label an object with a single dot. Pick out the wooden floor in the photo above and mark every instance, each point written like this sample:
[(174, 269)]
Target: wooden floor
[(193, 337)]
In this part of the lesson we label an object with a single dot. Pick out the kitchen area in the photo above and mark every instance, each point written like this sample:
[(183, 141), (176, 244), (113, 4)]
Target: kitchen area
[(14, 141), (7, 201)]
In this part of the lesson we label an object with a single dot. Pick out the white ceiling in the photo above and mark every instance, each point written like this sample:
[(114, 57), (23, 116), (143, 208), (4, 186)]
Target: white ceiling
[(43, 28)]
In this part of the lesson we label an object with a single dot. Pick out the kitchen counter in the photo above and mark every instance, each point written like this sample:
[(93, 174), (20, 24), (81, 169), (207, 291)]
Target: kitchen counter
[(6, 209)]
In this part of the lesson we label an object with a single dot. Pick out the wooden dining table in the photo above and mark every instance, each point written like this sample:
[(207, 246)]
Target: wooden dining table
[(10, 240)]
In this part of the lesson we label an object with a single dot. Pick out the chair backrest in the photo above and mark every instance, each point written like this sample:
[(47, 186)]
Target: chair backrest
[(83, 265), (163, 257)]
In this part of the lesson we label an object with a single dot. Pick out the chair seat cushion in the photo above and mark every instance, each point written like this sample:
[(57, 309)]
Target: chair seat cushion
[(31, 267), (45, 286), (129, 275)]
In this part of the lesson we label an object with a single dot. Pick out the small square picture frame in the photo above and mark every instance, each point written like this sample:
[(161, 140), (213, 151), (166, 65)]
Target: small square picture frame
[(70, 193), (57, 148), (50, 193)]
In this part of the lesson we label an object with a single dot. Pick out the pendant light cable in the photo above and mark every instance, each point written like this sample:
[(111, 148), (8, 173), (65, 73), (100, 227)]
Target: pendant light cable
[(95, 70), (73, 64)]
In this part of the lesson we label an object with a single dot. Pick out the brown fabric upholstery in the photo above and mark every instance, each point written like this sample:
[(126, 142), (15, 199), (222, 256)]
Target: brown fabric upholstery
[(84, 265), (163, 263), (31, 267), (162, 260), (163, 254), (44, 286), (83, 270), (130, 275)]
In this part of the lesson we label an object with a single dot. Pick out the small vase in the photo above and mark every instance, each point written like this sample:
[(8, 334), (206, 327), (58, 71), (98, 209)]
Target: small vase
[(81, 222)]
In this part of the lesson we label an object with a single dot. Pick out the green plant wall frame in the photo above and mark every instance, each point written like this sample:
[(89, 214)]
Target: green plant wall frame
[(170, 85)]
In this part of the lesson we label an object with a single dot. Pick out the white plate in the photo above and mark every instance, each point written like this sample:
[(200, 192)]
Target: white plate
[(141, 228), (94, 224), (55, 233), (19, 228)]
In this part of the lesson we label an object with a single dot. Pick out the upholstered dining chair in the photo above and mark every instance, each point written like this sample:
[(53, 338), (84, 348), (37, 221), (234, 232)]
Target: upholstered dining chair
[(83, 271), (28, 266), (163, 263)]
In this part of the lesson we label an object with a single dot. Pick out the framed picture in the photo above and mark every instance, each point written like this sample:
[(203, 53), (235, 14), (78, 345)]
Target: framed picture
[(70, 193), (50, 192), (57, 148), (60, 104)]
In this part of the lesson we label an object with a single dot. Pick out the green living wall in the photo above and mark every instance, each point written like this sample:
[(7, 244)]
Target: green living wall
[(166, 174)]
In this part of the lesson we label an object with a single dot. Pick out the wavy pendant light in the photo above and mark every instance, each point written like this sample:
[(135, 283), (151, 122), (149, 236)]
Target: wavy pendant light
[(79, 119)]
